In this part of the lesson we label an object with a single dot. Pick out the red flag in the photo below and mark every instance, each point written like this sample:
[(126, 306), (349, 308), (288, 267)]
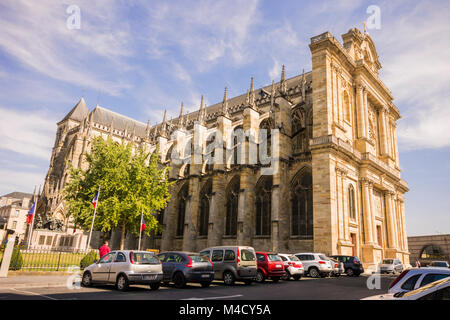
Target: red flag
[(142, 223), (30, 214)]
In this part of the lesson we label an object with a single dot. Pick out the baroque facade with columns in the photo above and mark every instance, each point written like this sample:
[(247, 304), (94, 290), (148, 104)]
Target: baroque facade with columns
[(332, 184)]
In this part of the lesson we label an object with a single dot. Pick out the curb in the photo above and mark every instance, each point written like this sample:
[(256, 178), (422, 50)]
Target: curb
[(32, 285)]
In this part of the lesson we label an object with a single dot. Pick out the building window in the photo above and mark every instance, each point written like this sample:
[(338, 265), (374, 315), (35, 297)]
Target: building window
[(351, 202), (49, 240), (267, 145), (17, 213), (302, 205), (238, 139), (379, 237), (263, 206), (347, 108), (232, 207), (14, 225), (160, 219), (205, 197), (182, 198), (41, 240)]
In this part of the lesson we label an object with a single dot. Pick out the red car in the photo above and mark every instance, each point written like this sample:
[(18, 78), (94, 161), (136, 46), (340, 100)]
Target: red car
[(270, 266)]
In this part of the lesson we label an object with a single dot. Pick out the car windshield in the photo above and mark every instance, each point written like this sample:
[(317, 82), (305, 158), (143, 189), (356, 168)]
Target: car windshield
[(294, 258), (273, 257), (428, 286), (247, 255), (388, 261), (198, 258), (144, 258)]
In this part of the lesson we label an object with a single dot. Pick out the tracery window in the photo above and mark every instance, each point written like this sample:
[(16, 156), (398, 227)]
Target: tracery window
[(302, 205), (263, 206), (205, 198), (182, 199), (232, 206)]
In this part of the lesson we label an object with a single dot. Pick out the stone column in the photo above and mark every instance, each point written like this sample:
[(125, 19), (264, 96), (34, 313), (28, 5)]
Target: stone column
[(360, 110), (395, 143), (402, 214), (367, 211), (383, 132), (339, 209), (345, 208), (374, 225), (217, 210), (246, 207), (366, 113), (169, 222), (391, 220), (275, 216), (338, 96)]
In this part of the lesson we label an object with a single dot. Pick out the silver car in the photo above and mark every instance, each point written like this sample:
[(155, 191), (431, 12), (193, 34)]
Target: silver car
[(123, 268), (315, 264), (233, 263), (415, 278), (393, 266)]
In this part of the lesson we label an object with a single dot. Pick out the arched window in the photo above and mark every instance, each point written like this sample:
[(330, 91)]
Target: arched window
[(205, 197), (298, 130), (433, 252), (238, 139), (208, 157), (232, 193), (182, 199), (351, 202), (263, 206), (267, 144), (347, 107), (302, 205)]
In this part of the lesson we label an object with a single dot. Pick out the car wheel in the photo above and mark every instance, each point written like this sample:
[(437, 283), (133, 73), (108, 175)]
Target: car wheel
[(228, 278), (155, 286), (296, 278), (260, 277), (122, 283), (87, 279), (248, 282), (205, 284), (349, 272), (179, 280), (314, 273), (275, 279), (286, 276)]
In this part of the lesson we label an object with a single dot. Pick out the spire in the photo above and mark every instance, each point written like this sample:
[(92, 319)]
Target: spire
[(272, 95), (34, 195), (252, 93), (283, 84), (303, 85), (247, 98), (224, 111), (181, 117), (201, 113), (163, 127), (147, 129)]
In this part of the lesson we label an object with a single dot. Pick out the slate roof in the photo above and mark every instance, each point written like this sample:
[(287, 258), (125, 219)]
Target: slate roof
[(18, 195), (78, 113)]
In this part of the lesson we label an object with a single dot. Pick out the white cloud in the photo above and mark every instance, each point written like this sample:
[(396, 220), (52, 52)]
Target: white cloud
[(22, 181), (28, 133), (35, 34)]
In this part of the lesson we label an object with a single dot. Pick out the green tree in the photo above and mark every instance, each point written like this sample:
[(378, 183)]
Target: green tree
[(132, 181)]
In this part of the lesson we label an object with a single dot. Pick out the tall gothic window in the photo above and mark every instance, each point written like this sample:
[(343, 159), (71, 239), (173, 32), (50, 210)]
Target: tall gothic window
[(267, 145), (302, 205), (205, 197), (351, 202), (208, 157), (347, 107), (238, 139), (298, 130), (232, 207), (263, 206), (182, 199)]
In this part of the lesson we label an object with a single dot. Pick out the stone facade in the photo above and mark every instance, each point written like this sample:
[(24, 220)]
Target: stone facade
[(429, 248), (333, 182), (14, 208)]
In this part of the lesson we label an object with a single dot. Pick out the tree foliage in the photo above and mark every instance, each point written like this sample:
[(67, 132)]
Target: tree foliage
[(132, 181)]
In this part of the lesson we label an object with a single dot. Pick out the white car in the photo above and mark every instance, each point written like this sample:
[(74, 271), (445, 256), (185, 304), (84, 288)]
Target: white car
[(292, 265), (125, 267), (390, 266), (415, 278), (315, 264), (438, 290)]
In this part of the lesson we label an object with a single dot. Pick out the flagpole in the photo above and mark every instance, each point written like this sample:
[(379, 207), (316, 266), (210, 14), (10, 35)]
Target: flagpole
[(93, 218), (31, 226), (140, 230)]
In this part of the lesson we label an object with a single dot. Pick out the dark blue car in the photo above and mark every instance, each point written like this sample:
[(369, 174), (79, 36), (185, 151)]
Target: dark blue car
[(352, 265), (184, 267)]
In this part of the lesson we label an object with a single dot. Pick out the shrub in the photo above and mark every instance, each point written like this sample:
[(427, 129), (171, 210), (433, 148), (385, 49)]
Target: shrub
[(88, 259), (16, 262)]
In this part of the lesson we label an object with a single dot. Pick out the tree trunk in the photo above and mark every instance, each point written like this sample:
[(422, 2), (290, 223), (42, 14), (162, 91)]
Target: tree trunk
[(122, 238)]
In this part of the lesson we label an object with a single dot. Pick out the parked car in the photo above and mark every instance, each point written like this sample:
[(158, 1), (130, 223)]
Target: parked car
[(439, 264), (393, 266), (270, 265), (184, 267), (232, 263), (352, 265), (124, 268), (437, 290), (293, 267), (415, 278), (338, 267), (315, 264)]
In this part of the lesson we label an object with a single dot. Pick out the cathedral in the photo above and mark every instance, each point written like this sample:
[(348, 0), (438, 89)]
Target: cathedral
[(332, 182)]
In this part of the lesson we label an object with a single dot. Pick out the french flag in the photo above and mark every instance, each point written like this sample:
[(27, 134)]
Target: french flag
[(95, 200), (142, 223), (30, 214)]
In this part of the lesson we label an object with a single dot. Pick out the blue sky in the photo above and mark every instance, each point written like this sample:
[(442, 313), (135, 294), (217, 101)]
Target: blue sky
[(141, 57)]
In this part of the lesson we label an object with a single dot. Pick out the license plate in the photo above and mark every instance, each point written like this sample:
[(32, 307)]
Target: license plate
[(153, 277), (278, 265), (205, 275)]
